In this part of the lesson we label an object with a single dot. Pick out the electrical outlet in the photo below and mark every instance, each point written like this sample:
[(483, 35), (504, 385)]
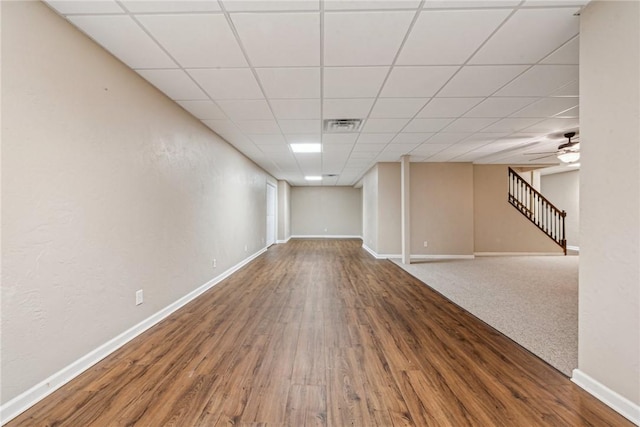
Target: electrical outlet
[(425, 244), (214, 263), (139, 297)]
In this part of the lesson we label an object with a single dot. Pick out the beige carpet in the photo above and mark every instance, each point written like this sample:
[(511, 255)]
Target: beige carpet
[(532, 300)]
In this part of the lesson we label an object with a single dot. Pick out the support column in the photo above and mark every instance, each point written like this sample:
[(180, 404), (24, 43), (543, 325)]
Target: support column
[(405, 191)]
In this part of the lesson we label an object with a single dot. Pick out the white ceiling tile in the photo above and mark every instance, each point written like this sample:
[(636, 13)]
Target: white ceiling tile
[(554, 125), (228, 83), (448, 138), (310, 163), (447, 107), (481, 80), (411, 138), (396, 147), (246, 109), (428, 149), (168, 6), (567, 54), (176, 84), (570, 113), (524, 29), (280, 151), (540, 80), (555, 3), (343, 149), (352, 108), (272, 5), (273, 139), (121, 36), (370, 4), (416, 81), (427, 125), (363, 154), (229, 131), (353, 82), (375, 138), (279, 39), (339, 138), (202, 40), (203, 110), (437, 38), (300, 126), (85, 7), (547, 107), (364, 38), (397, 107), (293, 138), (499, 107), (384, 125), (454, 4), (467, 124), (369, 148), (510, 125), (571, 89), (296, 108), (258, 126), (290, 82)]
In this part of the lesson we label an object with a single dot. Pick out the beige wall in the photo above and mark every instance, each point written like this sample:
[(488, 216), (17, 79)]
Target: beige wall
[(609, 314), (563, 190), (370, 209), (389, 209), (109, 187), (284, 211), (326, 211), (498, 227), (442, 208)]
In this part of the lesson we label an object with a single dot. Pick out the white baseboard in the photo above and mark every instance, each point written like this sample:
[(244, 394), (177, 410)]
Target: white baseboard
[(324, 236), (416, 257), (24, 401), (574, 248), (618, 403), (279, 242), (518, 254)]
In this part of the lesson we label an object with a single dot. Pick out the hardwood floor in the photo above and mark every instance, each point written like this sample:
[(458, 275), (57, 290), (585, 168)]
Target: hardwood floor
[(319, 333)]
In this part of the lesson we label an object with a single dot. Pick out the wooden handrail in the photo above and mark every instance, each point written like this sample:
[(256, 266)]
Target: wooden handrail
[(537, 209)]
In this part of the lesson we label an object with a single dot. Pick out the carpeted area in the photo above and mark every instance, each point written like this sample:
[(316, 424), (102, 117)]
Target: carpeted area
[(531, 299)]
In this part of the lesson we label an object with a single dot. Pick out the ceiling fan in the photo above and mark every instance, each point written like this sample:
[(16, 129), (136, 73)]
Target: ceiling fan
[(568, 152)]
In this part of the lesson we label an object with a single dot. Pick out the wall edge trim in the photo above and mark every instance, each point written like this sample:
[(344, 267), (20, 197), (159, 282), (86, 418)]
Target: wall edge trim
[(574, 248), (324, 236), (615, 401), (416, 257), (518, 254), (279, 242), (33, 395)]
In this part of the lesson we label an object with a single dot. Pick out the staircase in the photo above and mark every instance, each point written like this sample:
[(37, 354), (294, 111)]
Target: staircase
[(537, 209)]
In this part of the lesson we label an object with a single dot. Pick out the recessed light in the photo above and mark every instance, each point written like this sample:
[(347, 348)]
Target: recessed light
[(313, 178), (306, 148)]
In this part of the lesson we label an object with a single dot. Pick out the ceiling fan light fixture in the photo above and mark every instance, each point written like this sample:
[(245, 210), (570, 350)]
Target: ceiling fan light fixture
[(569, 156)]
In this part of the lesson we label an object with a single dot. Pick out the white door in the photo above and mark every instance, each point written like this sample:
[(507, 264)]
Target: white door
[(271, 215)]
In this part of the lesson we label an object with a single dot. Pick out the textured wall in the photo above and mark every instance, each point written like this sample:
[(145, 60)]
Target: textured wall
[(609, 316), (442, 208), (326, 211), (563, 190), (108, 187)]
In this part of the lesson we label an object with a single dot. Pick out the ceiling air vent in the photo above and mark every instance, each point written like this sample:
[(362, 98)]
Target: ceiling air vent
[(342, 125)]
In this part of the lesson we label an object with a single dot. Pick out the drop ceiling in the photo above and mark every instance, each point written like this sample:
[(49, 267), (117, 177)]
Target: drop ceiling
[(442, 81)]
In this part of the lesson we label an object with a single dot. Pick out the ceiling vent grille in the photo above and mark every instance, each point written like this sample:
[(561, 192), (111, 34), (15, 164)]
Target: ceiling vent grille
[(342, 125)]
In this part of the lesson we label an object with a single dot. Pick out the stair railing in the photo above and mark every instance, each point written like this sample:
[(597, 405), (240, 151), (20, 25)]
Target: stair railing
[(537, 209)]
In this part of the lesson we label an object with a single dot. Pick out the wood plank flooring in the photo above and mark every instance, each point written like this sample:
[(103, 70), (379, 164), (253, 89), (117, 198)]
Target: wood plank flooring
[(318, 333)]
